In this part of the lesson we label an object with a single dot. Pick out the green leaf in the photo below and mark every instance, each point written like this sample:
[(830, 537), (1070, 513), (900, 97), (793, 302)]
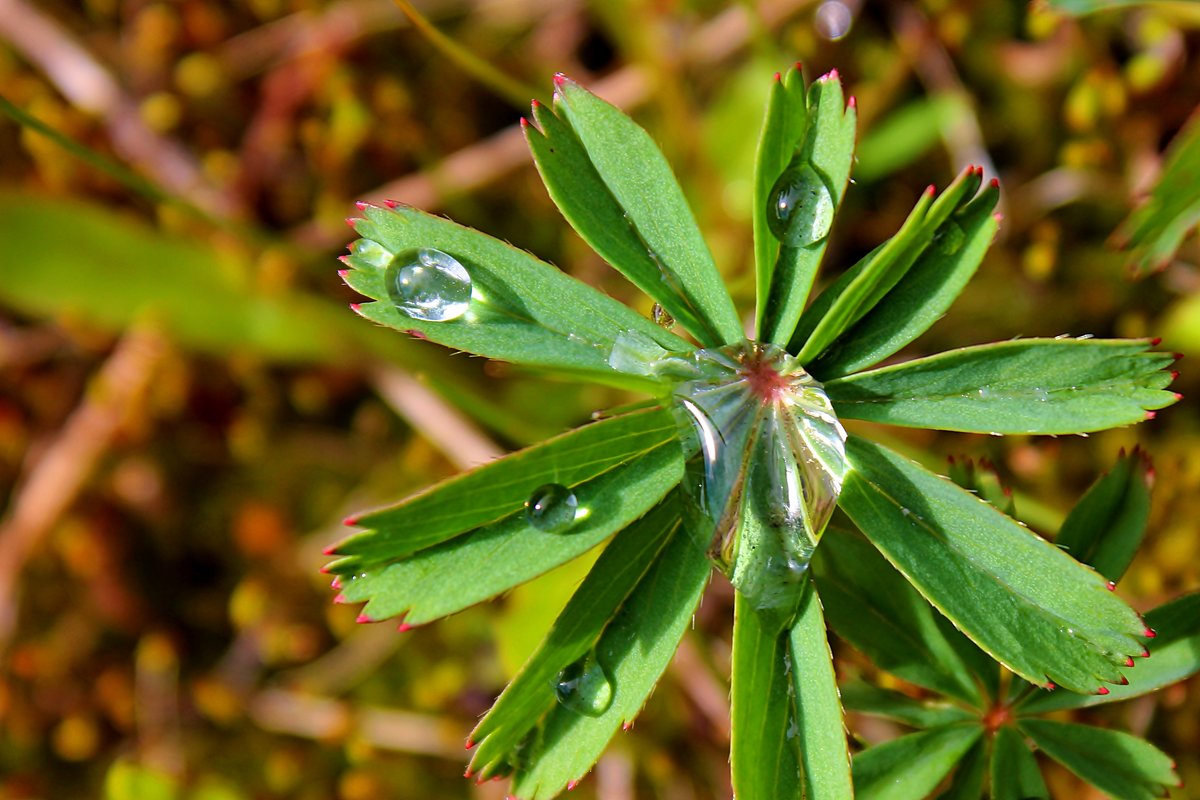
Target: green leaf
[(969, 778), (762, 759), (522, 310), (908, 133), (941, 270), (532, 692), (866, 698), (585, 200), (1080, 8), (827, 148), (861, 287), (1047, 386), (1105, 528), (1175, 657), (490, 559), (1015, 772), (500, 489), (1021, 599), (128, 780), (638, 178), (1117, 763), (982, 480), (784, 124), (634, 649), (820, 730), (872, 606), (913, 765)]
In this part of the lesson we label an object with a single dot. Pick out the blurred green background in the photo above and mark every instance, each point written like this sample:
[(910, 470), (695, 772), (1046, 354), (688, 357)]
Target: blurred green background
[(188, 409)]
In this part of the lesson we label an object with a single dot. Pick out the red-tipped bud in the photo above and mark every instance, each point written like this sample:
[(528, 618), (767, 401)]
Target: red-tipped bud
[(342, 273), (1102, 690), (571, 785), (1156, 341), (1174, 374), (362, 205), (524, 124), (390, 203), (778, 78), (1151, 415), (470, 744), (404, 627), (1111, 586), (798, 66), (852, 102), (930, 190), (995, 182), (339, 599), (356, 308), (1178, 395), (1050, 687), (352, 221), (534, 104), (324, 570), (336, 584), (363, 618), (1129, 661), (833, 74), (469, 772), (1145, 653), (559, 79), (626, 725), (1124, 681), (416, 334), (351, 520), (1149, 633)]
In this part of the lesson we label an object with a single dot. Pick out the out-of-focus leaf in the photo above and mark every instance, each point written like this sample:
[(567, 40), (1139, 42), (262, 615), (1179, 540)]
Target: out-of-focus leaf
[(868, 699), (451, 576), (762, 760), (922, 296), (1156, 229), (1081, 7), (872, 606), (968, 780), (1105, 528), (913, 765), (128, 780), (1015, 772), (853, 295), (521, 309), (62, 258), (500, 489), (906, 134), (820, 732), (634, 650), (1117, 763), (1020, 598), (638, 178), (825, 151), (1175, 657), (576, 631), (983, 481), (1046, 386)]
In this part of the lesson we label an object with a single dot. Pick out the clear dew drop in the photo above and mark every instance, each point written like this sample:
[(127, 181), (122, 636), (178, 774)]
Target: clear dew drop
[(584, 687), (429, 285), (551, 508), (662, 317), (800, 207)]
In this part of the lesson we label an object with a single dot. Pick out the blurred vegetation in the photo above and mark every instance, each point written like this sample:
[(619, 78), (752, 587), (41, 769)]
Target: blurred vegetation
[(187, 409)]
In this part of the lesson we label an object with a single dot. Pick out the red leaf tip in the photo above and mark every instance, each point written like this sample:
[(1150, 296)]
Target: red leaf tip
[(560, 79), (468, 773), (336, 583), (342, 273), (1111, 586), (1156, 341), (356, 308), (362, 205), (404, 627), (1149, 633), (852, 102), (1124, 681), (571, 785), (778, 78), (524, 124), (352, 221), (349, 522), (833, 74), (1049, 687), (1102, 690), (930, 190), (339, 599), (390, 203), (1151, 415), (470, 744), (363, 618), (1129, 661)]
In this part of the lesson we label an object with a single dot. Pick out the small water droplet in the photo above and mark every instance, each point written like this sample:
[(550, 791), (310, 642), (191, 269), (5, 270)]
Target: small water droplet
[(584, 687), (372, 252), (429, 285), (1041, 395), (551, 508), (800, 207), (662, 317)]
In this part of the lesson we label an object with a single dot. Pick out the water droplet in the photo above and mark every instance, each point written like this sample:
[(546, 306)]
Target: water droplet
[(551, 508), (800, 207), (662, 317), (429, 285), (372, 252), (833, 19), (950, 238), (584, 687), (1041, 395)]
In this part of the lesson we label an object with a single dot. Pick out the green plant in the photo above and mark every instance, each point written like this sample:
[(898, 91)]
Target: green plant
[(741, 456)]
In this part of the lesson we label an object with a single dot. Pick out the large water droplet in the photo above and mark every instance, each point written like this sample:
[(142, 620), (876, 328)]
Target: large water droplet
[(584, 687), (765, 464), (429, 285), (551, 508), (800, 207)]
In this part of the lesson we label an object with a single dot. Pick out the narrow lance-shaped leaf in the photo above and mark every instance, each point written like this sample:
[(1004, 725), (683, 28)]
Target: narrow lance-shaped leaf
[(1119, 764), (801, 204), (488, 560), (1024, 601), (762, 759), (819, 731), (861, 288), (634, 171), (865, 698), (1015, 772), (1176, 657), (1105, 528), (631, 655), (970, 775), (784, 124), (503, 487), (913, 765), (922, 296), (872, 606), (1044, 386), (532, 692), (464, 289)]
